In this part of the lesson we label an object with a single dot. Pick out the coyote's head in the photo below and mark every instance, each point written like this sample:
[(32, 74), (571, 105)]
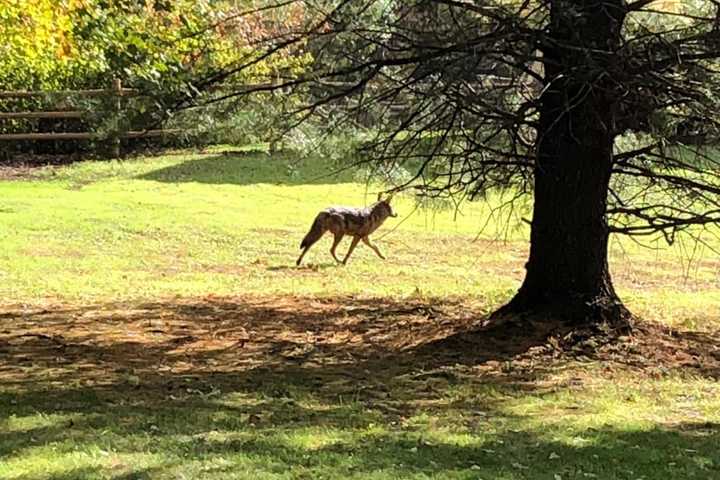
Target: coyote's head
[(383, 206)]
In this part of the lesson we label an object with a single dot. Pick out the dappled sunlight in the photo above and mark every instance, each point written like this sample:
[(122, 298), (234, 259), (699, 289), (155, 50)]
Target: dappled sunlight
[(51, 464), (385, 446), (25, 423)]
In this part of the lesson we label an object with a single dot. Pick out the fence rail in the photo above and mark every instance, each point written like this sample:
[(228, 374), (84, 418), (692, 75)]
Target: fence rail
[(86, 135), (50, 114), (95, 92), (116, 92)]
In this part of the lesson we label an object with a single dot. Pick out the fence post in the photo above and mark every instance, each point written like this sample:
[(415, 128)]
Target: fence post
[(115, 140)]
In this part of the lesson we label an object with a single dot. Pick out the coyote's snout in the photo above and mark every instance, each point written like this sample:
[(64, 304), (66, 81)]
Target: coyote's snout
[(341, 221)]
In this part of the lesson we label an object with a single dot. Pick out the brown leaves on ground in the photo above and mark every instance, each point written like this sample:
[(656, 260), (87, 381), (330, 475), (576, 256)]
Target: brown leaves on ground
[(378, 339), (24, 166)]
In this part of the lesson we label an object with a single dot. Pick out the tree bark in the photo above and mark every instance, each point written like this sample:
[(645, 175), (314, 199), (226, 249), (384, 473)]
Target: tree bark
[(567, 271)]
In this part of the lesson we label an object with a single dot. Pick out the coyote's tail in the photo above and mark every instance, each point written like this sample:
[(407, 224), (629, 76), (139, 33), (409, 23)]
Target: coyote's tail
[(316, 231)]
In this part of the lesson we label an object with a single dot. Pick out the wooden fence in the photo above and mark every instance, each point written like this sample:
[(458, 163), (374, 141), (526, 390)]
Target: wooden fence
[(116, 91)]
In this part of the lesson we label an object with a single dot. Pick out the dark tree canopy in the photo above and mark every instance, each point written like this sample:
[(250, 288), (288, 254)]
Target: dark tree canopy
[(604, 110)]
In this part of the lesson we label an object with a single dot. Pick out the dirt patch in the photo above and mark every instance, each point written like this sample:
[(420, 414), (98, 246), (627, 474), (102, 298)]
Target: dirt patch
[(370, 338), (24, 166), (21, 172)]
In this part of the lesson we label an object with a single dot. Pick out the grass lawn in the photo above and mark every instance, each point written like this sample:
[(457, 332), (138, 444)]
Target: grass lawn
[(154, 325)]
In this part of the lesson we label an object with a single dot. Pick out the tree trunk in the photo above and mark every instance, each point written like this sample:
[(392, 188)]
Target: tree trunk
[(567, 272)]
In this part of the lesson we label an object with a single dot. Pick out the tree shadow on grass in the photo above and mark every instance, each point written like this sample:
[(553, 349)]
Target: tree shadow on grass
[(219, 387), (249, 168), (377, 339)]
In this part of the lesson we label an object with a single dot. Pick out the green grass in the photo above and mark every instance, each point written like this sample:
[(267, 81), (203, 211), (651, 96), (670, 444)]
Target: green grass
[(472, 431), (214, 223), (153, 325)]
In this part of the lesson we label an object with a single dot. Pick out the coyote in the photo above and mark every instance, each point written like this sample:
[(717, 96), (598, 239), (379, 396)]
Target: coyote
[(341, 221)]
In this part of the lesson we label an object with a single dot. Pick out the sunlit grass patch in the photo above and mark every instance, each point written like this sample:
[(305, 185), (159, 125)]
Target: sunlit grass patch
[(231, 223)]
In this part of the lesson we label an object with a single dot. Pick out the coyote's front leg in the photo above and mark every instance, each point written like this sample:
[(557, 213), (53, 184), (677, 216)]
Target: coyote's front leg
[(366, 240), (354, 243)]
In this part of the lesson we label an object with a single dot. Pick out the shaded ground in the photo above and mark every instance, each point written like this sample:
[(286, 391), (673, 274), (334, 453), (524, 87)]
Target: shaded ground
[(373, 338), (251, 167)]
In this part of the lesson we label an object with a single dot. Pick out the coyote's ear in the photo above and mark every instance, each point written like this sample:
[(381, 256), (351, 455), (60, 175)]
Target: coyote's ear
[(389, 197), (379, 196)]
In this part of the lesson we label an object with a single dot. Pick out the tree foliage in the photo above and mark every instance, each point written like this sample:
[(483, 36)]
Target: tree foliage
[(601, 109), (53, 45), (454, 87), (38, 49)]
